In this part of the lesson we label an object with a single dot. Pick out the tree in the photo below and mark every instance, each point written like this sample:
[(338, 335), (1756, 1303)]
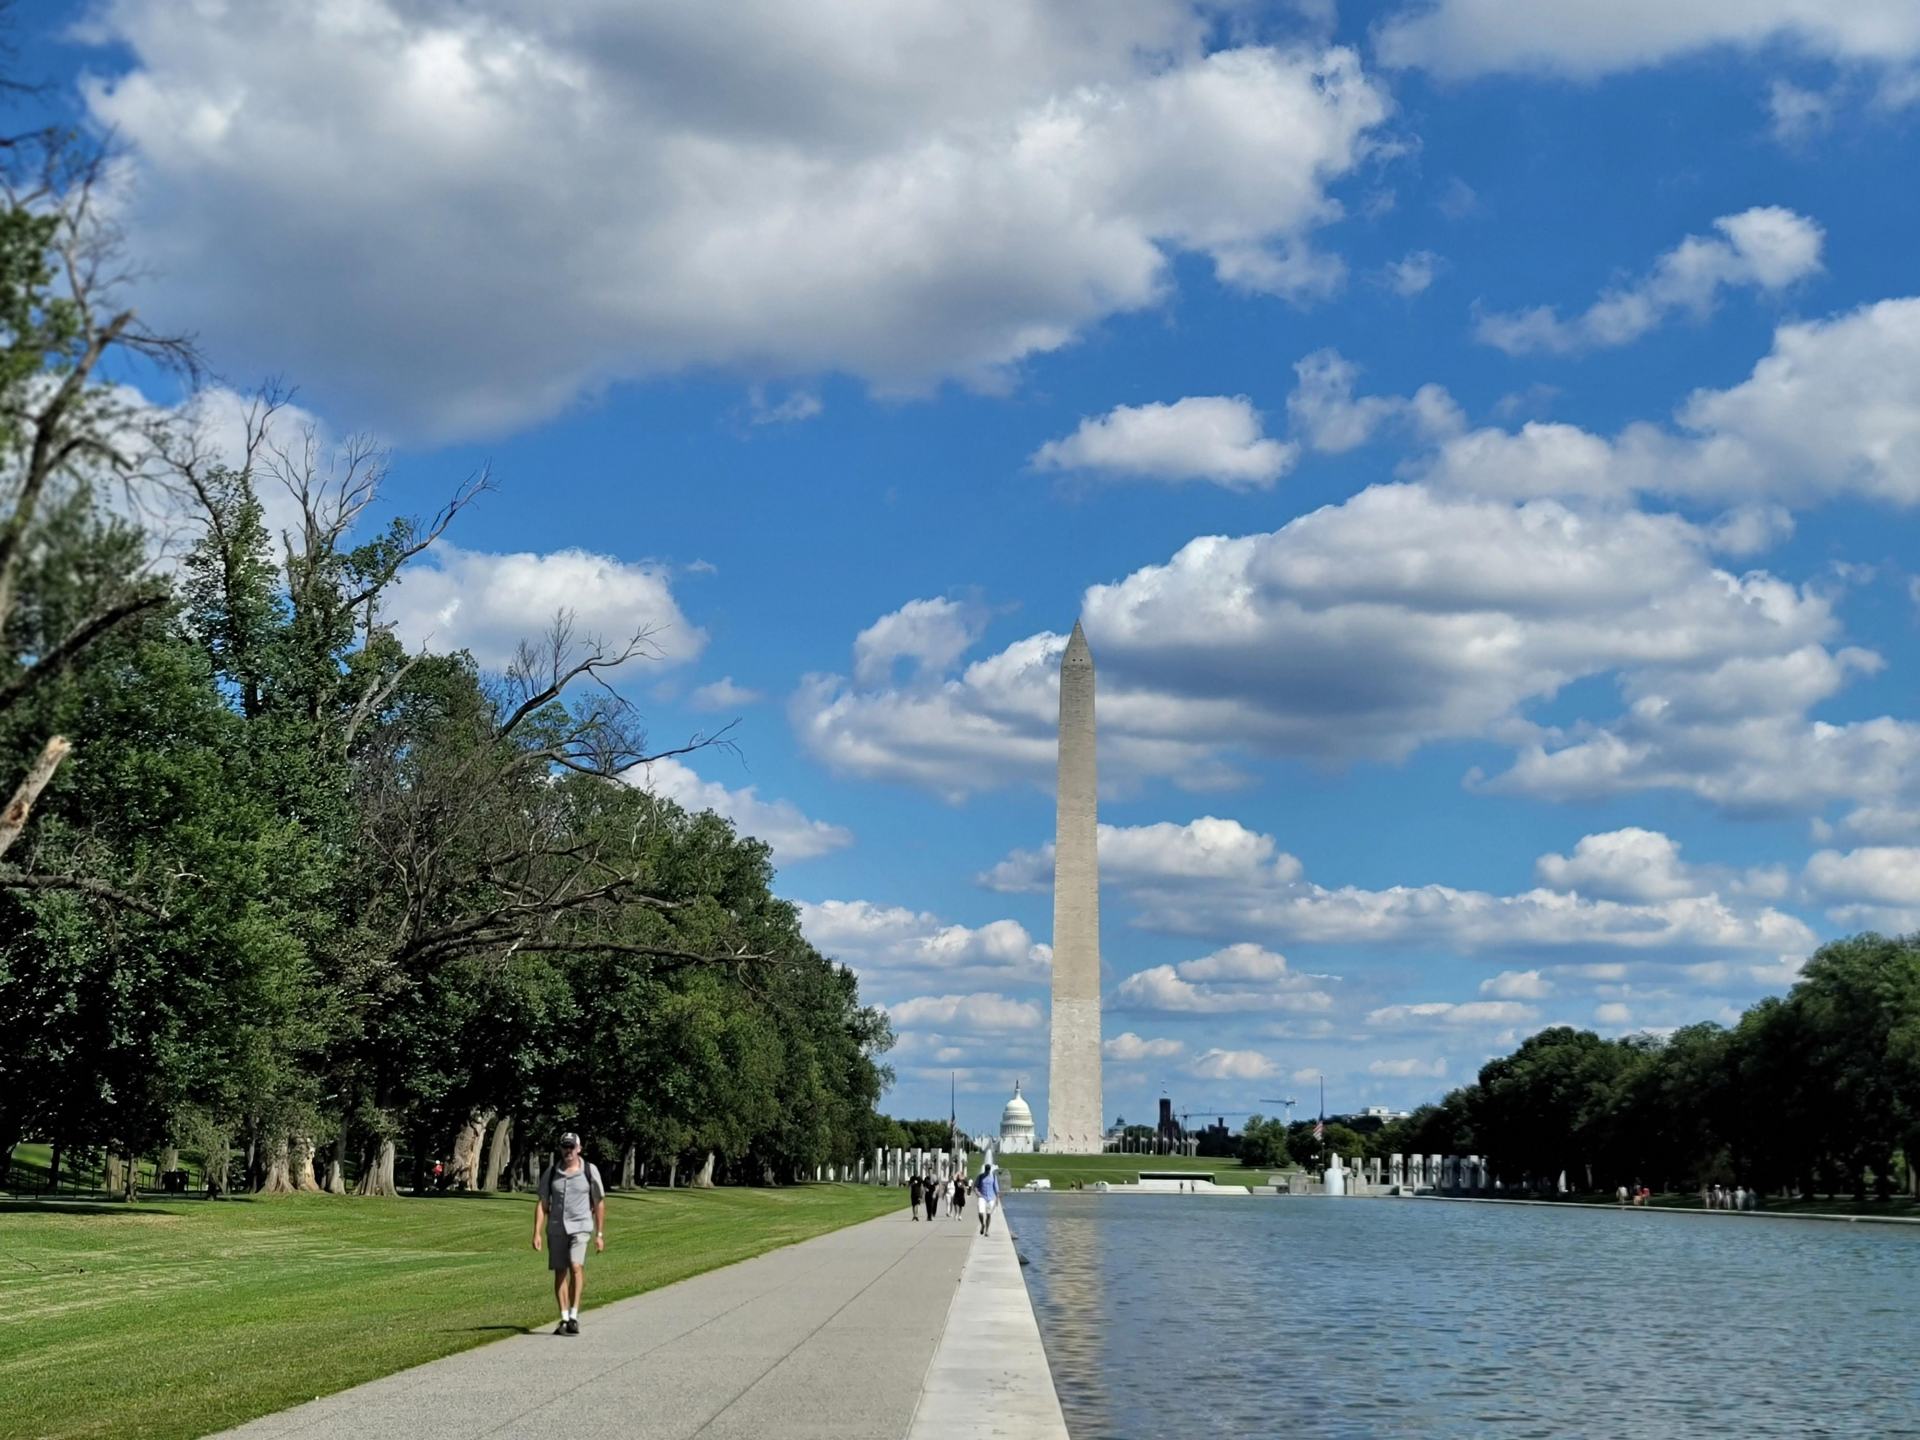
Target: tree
[(1856, 1002), (60, 322), (1263, 1142)]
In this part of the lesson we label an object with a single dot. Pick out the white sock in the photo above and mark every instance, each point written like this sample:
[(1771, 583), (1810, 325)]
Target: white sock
[(573, 1312)]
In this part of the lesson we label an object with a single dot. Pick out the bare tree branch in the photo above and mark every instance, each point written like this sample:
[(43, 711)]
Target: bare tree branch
[(377, 694), (62, 655), (84, 885), (659, 952), (555, 659)]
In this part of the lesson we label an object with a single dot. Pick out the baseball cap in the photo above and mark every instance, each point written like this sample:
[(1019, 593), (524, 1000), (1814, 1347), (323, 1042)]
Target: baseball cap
[(569, 1141)]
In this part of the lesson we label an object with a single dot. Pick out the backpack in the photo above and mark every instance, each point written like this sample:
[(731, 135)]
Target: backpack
[(596, 1191)]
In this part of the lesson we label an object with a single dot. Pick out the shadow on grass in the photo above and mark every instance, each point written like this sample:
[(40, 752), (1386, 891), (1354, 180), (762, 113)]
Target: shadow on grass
[(152, 1208), (481, 1329)]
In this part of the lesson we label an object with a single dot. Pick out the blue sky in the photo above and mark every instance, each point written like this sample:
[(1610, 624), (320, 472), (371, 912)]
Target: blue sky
[(1481, 437)]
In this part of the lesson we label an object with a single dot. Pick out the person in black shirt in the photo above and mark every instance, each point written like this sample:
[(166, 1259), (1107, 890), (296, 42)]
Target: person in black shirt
[(913, 1197)]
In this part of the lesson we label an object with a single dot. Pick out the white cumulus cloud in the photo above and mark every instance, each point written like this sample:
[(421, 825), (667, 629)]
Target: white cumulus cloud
[(1576, 37), (780, 823), (978, 1014), (1438, 1014), (1128, 1048), (1629, 864), (1219, 1064), (1431, 1069), (930, 633), (1832, 410), (1517, 985), (895, 943), (724, 694), (1604, 896), (485, 603), (1333, 419), (1766, 247), (904, 194), (1239, 978), (1214, 438), (1407, 614)]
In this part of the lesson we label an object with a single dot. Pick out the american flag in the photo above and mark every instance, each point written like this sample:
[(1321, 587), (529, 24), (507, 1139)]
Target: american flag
[(1320, 1129)]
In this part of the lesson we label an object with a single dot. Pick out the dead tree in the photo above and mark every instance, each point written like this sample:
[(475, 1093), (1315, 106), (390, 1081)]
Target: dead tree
[(56, 424)]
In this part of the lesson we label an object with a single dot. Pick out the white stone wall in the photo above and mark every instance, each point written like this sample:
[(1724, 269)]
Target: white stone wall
[(1074, 1123)]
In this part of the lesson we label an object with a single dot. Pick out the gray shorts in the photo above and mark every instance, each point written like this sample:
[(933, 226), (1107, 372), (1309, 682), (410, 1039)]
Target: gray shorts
[(564, 1250)]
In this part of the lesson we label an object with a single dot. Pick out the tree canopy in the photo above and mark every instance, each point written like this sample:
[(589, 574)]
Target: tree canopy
[(272, 879), (1816, 1091)]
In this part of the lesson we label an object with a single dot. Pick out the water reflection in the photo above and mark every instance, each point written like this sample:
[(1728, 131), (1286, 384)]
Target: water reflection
[(1383, 1318)]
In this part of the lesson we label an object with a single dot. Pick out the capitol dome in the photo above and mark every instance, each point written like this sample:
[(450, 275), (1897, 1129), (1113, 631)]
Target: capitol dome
[(1016, 1126)]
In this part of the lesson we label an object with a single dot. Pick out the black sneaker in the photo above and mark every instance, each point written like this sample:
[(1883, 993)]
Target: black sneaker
[(573, 1327), (561, 1328)]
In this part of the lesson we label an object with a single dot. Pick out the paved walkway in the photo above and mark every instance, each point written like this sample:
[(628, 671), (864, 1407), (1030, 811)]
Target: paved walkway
[(846, 1335)]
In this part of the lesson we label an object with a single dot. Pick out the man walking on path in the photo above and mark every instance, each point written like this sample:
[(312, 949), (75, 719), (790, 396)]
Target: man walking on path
[(986, 1193), (913, 1198), (571, 1204)]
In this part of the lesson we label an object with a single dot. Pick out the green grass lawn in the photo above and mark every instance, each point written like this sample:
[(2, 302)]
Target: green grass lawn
[(173, 1319), (1065, 1170)]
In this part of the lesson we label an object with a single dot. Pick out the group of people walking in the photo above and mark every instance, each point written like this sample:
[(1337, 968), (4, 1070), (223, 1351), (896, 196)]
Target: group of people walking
[(928, 1191), (1720, 1197), (570, 1212)]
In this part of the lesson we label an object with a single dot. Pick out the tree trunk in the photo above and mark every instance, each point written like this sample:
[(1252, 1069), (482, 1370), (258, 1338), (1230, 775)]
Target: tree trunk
[(703, 1180), (132, 1180), (279, 1179), (627, 1162), (499, 1153), (110, 1181), (53, 1168), (303, 1177), (337, 1166), (673, 1172), (376, 1178), (214, 1165), (463, 1172), (169, 1158)]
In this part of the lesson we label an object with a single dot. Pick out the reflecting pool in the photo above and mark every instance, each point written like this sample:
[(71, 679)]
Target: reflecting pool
[(1171, 1315)]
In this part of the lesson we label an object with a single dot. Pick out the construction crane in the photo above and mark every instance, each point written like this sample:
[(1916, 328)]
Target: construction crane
[(1288, 1103)]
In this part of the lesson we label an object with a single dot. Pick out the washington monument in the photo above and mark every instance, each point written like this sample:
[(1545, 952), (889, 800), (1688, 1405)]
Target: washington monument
[(1073, 1081)]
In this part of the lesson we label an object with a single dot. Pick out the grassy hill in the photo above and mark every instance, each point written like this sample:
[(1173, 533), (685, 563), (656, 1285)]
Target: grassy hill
[(171, 1319)]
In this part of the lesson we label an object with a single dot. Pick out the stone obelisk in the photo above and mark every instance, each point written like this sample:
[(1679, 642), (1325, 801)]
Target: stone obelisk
[(1073, 1081)]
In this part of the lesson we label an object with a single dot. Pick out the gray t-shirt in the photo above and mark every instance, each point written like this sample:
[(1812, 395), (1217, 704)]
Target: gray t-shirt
[(570, 1198)]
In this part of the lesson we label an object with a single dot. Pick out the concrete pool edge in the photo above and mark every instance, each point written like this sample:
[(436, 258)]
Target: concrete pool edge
[(989, 1375), (1663, 1209)]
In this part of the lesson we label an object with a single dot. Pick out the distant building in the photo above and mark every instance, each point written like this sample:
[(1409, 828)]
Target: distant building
[(1172, 1135), (1383, 1113), (1016, 1126)]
